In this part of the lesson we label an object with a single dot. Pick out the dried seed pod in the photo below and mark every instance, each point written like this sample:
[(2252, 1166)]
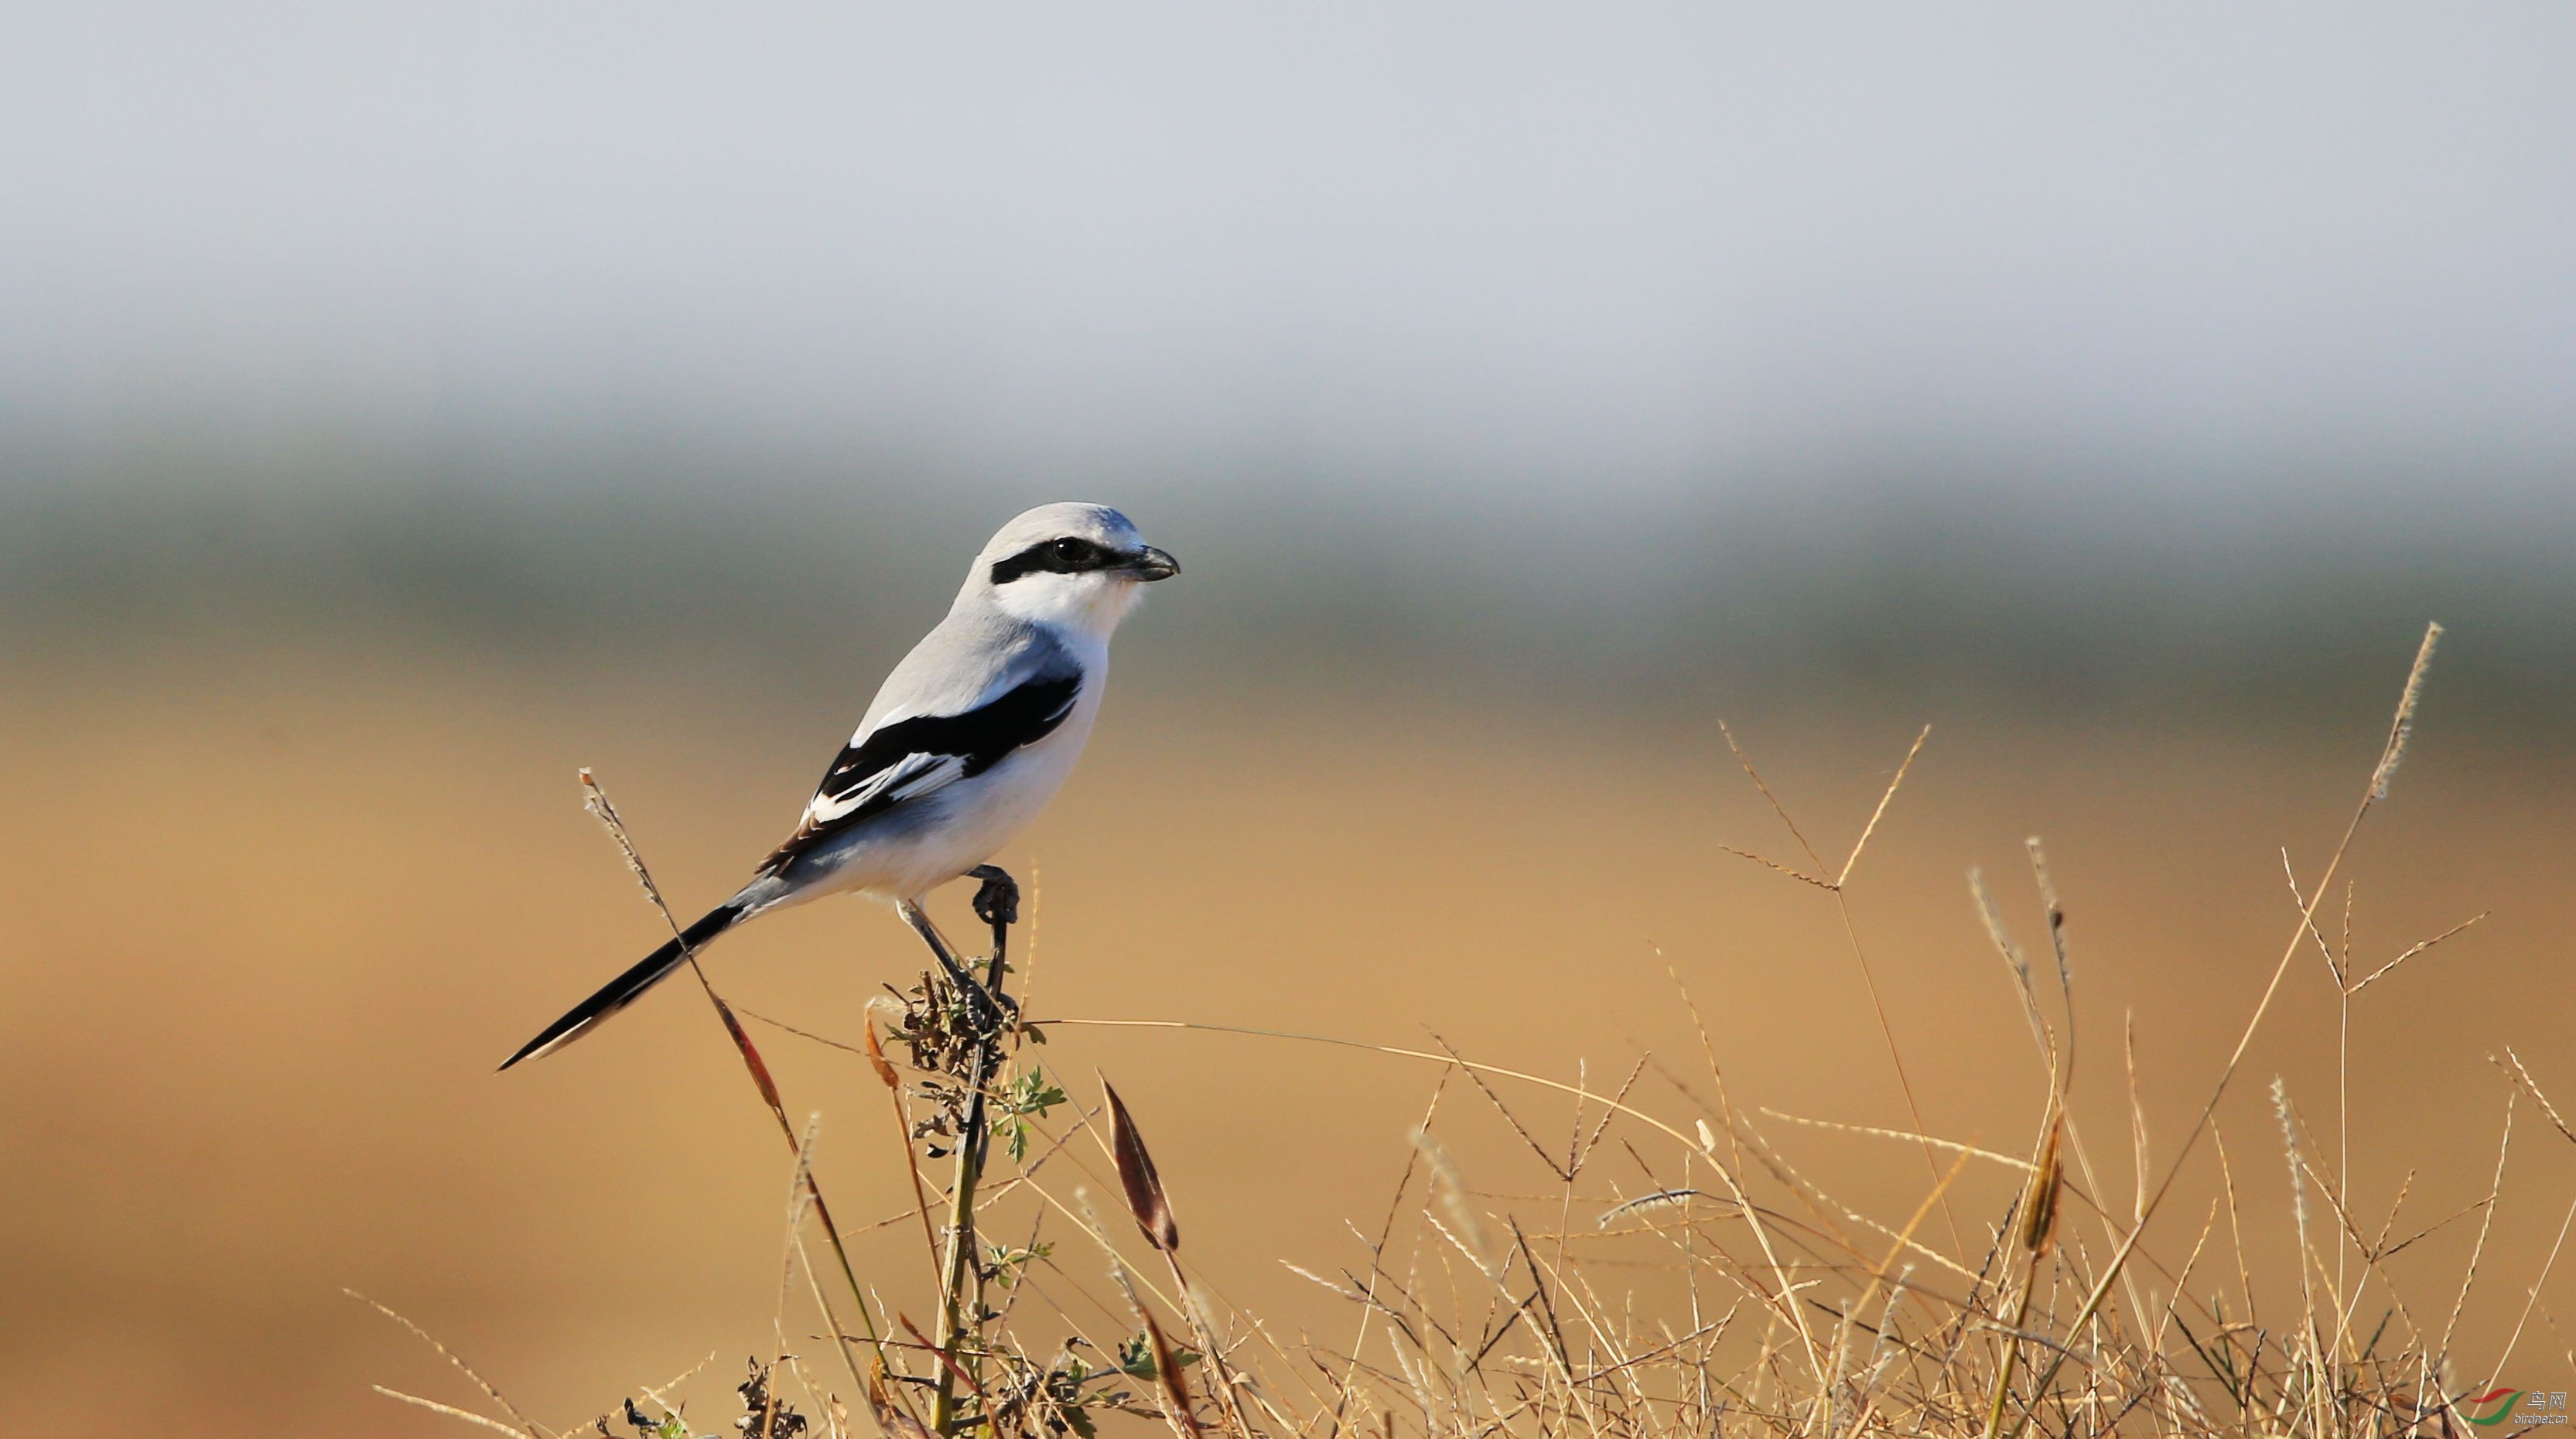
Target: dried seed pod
[(1145, 1197), (1167, 1368)]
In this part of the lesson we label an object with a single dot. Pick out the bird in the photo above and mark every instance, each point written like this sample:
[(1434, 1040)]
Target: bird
[(967, 740)]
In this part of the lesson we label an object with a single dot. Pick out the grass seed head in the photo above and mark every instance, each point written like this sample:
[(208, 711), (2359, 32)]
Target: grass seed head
[(2038, 1229)]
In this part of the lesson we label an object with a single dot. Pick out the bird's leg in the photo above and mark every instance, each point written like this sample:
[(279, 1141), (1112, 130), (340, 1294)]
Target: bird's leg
[(997, 903), (919, 918)]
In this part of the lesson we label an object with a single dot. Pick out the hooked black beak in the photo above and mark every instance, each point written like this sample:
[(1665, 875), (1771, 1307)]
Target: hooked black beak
[(1150, 564)]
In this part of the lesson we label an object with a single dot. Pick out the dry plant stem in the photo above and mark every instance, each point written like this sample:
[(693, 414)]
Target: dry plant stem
[(797, 1194), (450, 1410), (2486, 1224), (1151, 1206), (1851, 928), (1386, 1230), (2035, 1228), (2061, 1067), (1786, 1300), (2339, 965), (599, 805), (1878, 1278), (1560, 1086), (2391, 752), (2012, 1350), (2522, 1076), (1228, 1402), (2532, 1297), (424, 1336), (991, 1021), (875, 1054)]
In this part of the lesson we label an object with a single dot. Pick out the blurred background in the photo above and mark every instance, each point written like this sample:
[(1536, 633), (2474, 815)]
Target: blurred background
[(401, 406)]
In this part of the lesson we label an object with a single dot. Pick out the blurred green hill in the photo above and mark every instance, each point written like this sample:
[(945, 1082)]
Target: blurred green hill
[(2061, 590)]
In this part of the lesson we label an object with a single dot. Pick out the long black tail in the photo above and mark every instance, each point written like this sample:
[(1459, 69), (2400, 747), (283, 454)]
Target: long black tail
[(626, 988)]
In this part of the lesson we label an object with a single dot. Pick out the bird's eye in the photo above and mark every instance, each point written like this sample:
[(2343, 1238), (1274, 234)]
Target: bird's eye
[(1072, 551)]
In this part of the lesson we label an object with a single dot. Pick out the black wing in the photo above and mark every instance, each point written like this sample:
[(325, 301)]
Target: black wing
[(913, 757)]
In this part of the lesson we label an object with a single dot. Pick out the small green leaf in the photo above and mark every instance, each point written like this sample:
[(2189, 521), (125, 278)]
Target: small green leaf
[(1136, 1357)]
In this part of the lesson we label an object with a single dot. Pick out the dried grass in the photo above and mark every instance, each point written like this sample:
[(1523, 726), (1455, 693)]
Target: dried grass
[(1777, 1310)]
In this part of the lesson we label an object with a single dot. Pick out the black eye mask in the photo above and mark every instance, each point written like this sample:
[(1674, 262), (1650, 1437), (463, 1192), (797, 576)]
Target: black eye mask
[(1069, 555)]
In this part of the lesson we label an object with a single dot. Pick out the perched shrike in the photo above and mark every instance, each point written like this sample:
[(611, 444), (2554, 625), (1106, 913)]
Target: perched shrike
[(966, 741)]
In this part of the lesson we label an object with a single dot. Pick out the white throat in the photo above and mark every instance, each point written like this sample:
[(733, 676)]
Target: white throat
[(1087, 605)]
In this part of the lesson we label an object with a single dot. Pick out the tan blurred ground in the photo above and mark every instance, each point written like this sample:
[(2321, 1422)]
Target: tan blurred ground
[(271, 921)]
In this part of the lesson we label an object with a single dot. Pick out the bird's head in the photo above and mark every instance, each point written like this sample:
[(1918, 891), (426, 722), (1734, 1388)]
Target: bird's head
[(1079, 567)]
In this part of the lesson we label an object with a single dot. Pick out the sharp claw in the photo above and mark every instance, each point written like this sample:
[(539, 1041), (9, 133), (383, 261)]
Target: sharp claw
[(998, 901)]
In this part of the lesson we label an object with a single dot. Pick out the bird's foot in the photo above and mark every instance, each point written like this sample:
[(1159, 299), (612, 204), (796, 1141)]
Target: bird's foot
[(997, 902)]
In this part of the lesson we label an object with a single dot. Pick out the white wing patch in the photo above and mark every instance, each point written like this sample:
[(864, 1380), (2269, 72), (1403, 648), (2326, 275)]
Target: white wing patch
[(904, 757), (911, 777)]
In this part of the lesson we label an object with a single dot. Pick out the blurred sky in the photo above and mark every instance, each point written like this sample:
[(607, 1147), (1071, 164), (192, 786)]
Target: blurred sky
[(1613, 242), (2182, 294)]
